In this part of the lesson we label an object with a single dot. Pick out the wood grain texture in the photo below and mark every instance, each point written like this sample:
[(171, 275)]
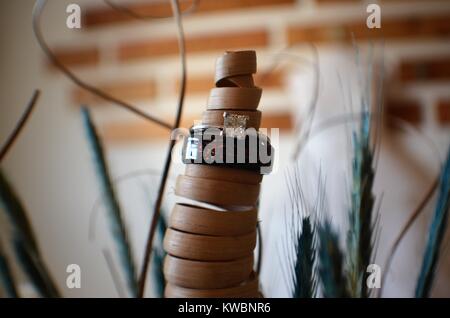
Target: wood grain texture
[(223, 174), (199, 220), (207, 275), (232, 64), (237, 98), (222, 193), (208, 248), (248, 289), (201, 84)]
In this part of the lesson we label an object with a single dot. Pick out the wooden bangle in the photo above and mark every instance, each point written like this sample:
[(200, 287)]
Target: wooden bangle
[(235, 63), (243, 98), (208, 248), (217, 192), (223, 173), (238, 81), (216, 117), (207, 275), (198, 220), (248, 289)]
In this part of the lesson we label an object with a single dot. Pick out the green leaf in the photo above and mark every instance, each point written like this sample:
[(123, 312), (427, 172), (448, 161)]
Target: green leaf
[(115, 217)]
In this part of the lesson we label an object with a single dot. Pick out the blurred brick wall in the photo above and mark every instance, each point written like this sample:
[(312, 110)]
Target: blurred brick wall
[(138, 62)]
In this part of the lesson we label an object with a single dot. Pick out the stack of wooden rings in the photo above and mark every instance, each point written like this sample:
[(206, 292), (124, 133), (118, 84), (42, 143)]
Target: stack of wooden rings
[(210, 251)]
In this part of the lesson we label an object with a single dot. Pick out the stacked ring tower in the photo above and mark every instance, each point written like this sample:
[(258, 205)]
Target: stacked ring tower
[(210, 243)]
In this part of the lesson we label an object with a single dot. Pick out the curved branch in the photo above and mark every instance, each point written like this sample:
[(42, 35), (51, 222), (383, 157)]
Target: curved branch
[(37, 12), (162, 185), (416, 213), (19, 126), (139, 16)]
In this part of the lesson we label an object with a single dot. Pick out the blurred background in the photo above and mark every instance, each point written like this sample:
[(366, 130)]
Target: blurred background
[(51, 167)]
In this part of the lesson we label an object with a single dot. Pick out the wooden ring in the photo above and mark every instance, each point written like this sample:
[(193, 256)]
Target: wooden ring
[(216, 118), (223, 173), (243, 98), (207, 275), (198, 220), (235, 63), (208, 248), (237, 81), (248, 289), (217, 192)]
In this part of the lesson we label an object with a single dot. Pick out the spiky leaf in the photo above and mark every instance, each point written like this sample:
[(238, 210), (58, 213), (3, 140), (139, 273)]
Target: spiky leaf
[(436, 233), (115, 217)]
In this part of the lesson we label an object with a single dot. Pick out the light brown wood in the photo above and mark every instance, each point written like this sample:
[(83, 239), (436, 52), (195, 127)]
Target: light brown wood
[(210, 253), (208, 248), (201, 84), (238, 81), (223, 174), (248, 289), (235, 63), (207, 275), (241, 98), (217, 192), (215, 117), (198, 220), (126, 90)]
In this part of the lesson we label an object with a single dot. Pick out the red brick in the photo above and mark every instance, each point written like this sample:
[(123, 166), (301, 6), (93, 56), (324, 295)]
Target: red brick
[(201, 43), (406, 110), (77, 56), (443, 112), (127, 91), (412, 27), (105, 15), (430, 69)]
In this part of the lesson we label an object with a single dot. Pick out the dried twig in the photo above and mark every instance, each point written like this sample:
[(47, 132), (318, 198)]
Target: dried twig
[(157, 207), (37, 12), (436, 234), (138, 16), (19, 126), (114, 273)]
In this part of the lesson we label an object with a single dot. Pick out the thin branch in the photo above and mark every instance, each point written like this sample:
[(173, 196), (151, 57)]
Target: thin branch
[(405, 229), (311, 110), (138, 16), (37, 13), (19, 126), (260, 248), (312, 107), (114, 273), (157, 208)]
